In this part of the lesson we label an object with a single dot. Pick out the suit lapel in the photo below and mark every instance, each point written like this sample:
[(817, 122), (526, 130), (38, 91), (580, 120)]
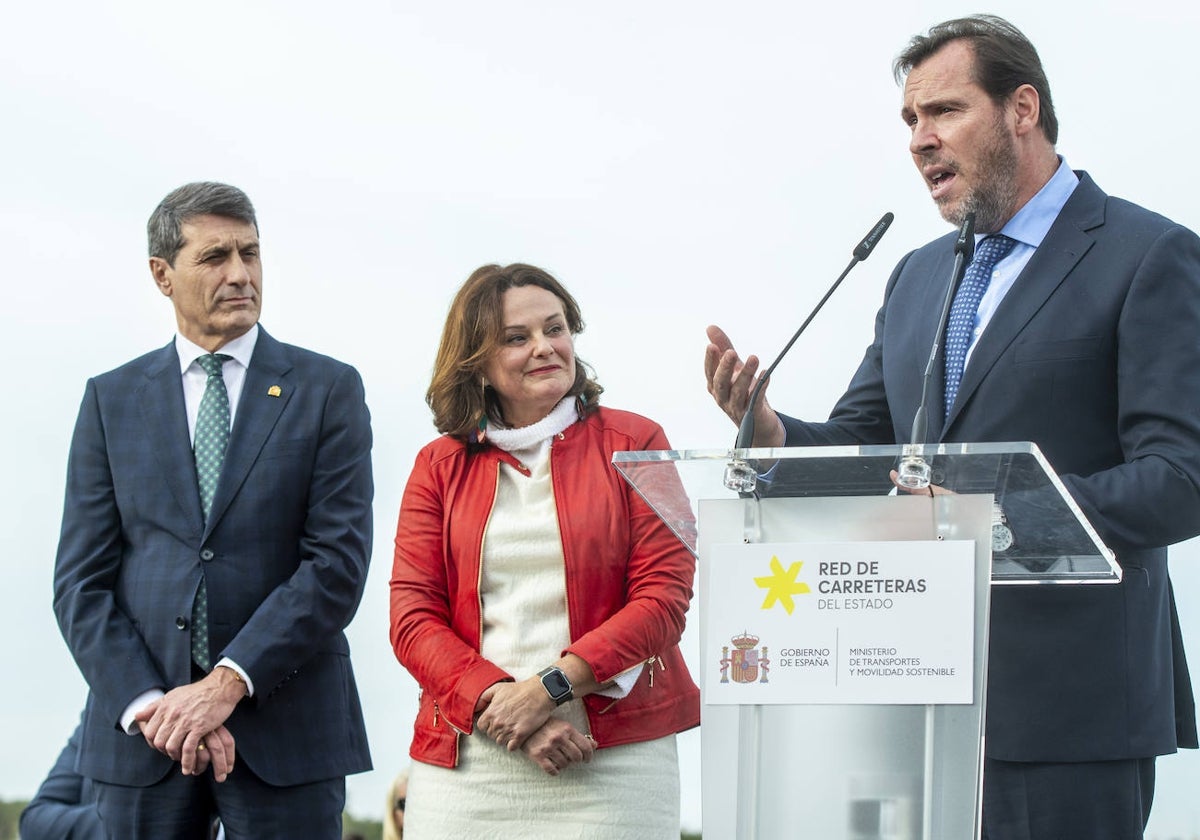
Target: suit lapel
[(164, 419), (933, 301), (1062, 249), (265, 392)]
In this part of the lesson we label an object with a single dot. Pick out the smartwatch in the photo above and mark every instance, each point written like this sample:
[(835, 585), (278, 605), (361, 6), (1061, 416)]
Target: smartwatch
[(556, 684)]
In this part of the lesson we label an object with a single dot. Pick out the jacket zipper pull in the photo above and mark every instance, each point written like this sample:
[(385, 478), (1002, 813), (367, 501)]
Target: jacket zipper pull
[(650, 667)]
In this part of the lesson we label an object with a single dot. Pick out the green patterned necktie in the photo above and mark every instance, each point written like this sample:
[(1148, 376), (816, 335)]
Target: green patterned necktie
[(212, 439)]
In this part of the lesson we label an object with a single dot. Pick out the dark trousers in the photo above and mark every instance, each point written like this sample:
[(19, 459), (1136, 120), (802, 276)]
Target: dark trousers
[(1097, 800), (184, 807)]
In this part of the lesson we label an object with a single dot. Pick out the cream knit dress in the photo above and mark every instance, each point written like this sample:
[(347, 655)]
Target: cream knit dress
[(629, 792)]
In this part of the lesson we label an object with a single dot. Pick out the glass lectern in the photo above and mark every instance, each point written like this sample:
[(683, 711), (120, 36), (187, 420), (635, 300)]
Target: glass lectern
[(866, 764)]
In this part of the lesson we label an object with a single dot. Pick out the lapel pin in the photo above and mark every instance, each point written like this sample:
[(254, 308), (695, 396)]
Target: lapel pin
[(274, 391)]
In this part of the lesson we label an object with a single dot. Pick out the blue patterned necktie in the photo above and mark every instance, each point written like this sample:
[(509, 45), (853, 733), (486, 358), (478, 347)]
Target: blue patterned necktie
[(961, 327), (212, 439)]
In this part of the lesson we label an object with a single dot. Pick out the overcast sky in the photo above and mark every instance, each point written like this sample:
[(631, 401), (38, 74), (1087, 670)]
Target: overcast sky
[(675, 164)]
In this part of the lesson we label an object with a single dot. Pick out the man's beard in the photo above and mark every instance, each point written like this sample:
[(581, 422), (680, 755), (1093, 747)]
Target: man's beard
[(993, 200)]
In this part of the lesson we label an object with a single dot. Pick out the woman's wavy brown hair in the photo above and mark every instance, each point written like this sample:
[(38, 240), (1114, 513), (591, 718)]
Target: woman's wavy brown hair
[(473, 332)]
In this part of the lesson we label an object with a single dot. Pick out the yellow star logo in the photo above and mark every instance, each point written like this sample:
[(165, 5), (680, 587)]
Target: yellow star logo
[(781, 585)]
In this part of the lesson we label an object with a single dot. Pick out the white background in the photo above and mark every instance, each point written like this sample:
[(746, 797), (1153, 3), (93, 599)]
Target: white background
[(674, 163)]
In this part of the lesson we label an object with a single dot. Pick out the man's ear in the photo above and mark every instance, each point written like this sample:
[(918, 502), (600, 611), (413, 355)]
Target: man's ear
[(160, 270), (1027, 108)]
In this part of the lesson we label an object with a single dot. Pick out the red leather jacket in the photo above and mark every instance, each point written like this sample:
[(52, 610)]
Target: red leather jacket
[(629, 582)]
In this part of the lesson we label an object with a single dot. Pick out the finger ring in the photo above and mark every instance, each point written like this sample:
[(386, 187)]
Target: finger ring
[(200, 747)]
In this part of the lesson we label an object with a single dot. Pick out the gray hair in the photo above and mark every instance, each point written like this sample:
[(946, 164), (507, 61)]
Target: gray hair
[(202, 198)]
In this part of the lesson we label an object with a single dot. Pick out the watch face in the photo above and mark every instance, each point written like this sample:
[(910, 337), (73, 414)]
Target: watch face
[(556, 684), (1002, 538)]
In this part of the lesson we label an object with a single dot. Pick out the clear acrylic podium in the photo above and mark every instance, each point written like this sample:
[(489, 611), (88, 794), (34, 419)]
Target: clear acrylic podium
[(861, 770)]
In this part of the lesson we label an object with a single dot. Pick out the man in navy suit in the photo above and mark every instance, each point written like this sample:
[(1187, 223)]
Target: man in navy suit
[(1085, 342), (208, 621)]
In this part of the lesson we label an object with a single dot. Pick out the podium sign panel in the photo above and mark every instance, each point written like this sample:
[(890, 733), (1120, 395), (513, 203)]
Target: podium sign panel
[(850, 622), (897, 761), (832, 771)]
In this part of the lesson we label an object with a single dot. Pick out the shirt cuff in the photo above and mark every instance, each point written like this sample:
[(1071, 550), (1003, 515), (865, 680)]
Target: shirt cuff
[(131, 726), (623, 682), (237, 669)]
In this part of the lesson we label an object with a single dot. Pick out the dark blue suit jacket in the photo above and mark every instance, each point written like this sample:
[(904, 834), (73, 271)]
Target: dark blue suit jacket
[(284, 554), (64, 808), (1094, 354)]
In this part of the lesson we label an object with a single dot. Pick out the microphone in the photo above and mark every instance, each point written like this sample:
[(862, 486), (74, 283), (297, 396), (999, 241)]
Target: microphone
[(864, 248), (861, 252), (746, 429), (914, 471)]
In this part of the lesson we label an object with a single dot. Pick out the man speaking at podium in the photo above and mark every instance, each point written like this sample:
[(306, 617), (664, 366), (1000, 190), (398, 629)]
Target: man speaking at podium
[(1076, 327)]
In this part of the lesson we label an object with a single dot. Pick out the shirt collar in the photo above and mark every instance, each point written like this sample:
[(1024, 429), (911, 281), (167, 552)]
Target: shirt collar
[(1033, 221), (240, 349)]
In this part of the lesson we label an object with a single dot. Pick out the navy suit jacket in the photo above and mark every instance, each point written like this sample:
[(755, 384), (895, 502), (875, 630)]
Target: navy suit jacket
[(1094, 354), (284, 554)]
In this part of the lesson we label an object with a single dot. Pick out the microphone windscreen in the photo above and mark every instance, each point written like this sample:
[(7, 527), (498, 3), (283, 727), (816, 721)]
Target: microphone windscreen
[(868, 244)]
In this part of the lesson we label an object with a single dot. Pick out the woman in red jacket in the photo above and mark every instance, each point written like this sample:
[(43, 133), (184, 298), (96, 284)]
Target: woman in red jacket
[(535, 597)]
